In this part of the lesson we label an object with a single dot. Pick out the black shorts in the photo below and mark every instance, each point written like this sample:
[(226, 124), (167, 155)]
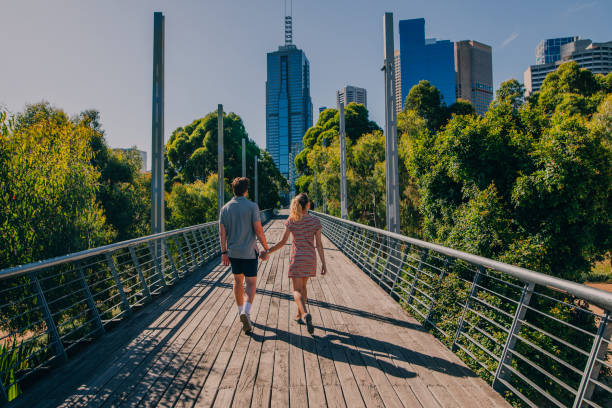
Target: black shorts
[(246, 267)]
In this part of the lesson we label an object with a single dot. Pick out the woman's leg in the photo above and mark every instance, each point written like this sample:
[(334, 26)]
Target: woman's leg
[(298, 295)]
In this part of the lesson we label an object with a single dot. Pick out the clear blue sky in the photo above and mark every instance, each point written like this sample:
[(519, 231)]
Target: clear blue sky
[(81, 54)]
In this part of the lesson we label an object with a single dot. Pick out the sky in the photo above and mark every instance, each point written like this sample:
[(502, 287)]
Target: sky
[(97, 54)]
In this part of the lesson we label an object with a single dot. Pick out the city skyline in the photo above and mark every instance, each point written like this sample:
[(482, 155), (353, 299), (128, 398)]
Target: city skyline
[(223, 60)]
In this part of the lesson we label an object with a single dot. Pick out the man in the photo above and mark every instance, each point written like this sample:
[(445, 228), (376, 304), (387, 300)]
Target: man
[(239, 224)]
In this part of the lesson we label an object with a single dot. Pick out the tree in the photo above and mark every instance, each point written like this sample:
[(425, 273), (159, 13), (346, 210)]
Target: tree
[(124, 193), (512, 92), (426, 100), (192, 204), (192, 155), (47, 187)]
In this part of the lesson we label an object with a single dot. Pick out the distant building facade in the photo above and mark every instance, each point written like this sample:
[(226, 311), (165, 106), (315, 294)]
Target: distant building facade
[(322, 108), (549, 50), (398, 82), (350, 94), (474, 74), (288, 102), (425, 59), (596, 57), (141, 153)]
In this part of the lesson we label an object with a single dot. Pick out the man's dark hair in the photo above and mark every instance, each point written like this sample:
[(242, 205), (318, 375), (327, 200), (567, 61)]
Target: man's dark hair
[(240, 185)]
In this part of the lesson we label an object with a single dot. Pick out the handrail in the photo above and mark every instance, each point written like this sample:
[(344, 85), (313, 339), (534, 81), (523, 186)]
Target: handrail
[(38, 265), (596, 296), (532, 336), (53, 305)]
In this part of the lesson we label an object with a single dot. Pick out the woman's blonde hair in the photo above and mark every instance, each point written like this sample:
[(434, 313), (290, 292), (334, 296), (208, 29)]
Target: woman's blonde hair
[(297, 207)]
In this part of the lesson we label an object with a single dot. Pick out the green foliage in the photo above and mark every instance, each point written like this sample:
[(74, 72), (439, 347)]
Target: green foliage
[(192, 155), (12, 360), (192, 204), (48, 187)]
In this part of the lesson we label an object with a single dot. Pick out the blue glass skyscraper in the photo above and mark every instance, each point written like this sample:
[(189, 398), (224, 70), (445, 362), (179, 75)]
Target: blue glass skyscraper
[(288, 103), (425, 59)]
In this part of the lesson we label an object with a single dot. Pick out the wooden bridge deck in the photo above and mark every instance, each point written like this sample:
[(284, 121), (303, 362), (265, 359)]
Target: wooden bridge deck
[(186, 349)]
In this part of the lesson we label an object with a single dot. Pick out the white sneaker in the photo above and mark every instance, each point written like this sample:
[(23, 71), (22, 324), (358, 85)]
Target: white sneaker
[(247, 326)]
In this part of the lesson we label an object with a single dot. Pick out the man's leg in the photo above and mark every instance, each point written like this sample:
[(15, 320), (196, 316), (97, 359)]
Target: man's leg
[(239, 291)]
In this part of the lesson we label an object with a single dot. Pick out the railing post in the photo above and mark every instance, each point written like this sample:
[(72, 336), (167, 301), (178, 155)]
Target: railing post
[(51, 326), (593, 367), (171, 259), (143, 281), (515, 328), (416, 276), (433, 302), (471, 294), (193, 258), (90, 300), (124, 301), (198, 247), (369, 255), (206, 242), (375, 264), (182, 255), (157, 263), (401, 265)]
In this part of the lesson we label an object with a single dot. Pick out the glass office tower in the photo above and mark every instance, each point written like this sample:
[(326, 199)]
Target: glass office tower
[(288, 105), (549, 50), (427, 59)]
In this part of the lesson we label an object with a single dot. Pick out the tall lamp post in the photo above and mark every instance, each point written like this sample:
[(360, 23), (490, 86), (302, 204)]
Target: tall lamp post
[(157, 136), (343, 211), (393, 221), (243, 157), (220, 193)]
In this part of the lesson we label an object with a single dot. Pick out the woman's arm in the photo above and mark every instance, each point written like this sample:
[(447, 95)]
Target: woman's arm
[(280, 243), (321, 252)]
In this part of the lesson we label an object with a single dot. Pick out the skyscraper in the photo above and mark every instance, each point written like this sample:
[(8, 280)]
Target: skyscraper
[(474, 74), (288, 103), (596, 57), (398, 82), (549, 50), (427, 59), (350, 94)]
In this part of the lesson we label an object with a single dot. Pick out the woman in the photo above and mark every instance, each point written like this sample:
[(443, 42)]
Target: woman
[(303, 262)]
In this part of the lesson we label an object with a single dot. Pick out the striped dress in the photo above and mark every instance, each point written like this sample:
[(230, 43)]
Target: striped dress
[(303, 261)]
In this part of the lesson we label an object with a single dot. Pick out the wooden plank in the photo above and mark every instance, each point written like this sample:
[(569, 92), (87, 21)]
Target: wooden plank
[(248, 375), (138, 381), (263, 382), (280, 382), (104, 384)]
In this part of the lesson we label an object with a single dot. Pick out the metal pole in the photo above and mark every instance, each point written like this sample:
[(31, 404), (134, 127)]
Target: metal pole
[(256, 182), (343, 212), (157, 151), (243, 157), (221, 194), (393, 222)]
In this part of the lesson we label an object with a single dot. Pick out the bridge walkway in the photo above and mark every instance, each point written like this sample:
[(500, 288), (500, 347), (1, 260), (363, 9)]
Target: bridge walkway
[(186, 349)]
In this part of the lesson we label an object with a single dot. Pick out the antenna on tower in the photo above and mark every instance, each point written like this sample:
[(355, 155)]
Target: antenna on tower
[(289, 24)]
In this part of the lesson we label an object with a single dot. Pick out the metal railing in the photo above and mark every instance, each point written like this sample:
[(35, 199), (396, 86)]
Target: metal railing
[(50, 307), (539, 340)]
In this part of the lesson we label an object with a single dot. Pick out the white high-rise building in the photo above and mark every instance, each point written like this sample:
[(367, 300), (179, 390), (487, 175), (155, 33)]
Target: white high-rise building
[(350, 94)]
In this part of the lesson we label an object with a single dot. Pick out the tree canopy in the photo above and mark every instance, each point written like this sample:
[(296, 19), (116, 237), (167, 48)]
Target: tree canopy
[(192, 156)]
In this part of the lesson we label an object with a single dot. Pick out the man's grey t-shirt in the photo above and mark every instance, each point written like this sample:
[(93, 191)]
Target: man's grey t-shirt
[(238, 216)]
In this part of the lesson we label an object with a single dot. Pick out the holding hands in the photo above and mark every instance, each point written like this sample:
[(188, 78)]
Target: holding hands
[(264, 255)]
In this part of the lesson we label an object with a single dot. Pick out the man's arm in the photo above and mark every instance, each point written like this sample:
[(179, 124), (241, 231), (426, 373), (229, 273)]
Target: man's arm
[(260, 235), (223, 242)]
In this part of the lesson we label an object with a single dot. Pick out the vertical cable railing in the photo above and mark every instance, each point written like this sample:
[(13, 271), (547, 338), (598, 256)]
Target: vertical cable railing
[(539, 340), (48, 308)]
